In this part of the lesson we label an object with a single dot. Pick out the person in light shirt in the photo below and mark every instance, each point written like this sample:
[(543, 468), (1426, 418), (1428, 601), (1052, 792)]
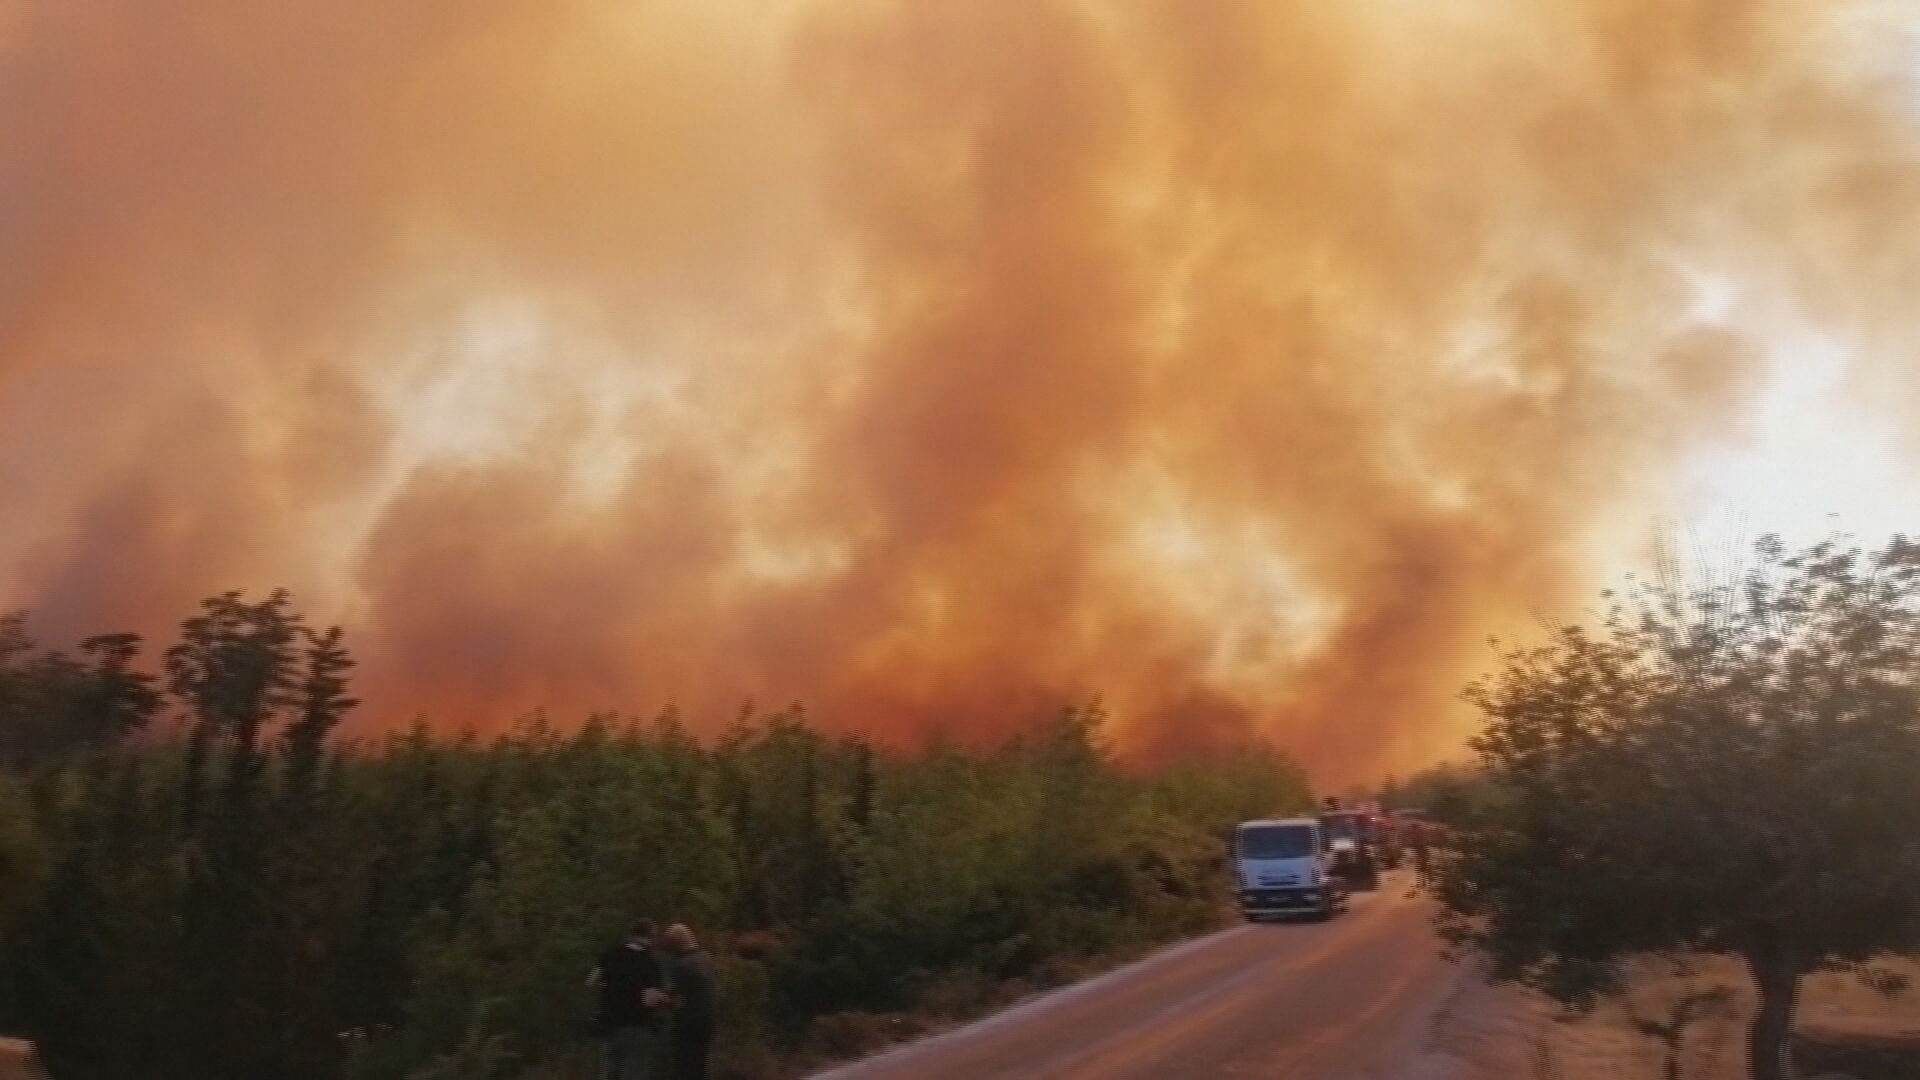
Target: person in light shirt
[(690, 974)]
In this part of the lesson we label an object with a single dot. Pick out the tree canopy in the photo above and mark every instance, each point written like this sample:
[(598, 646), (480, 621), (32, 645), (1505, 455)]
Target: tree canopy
[(53, 705), (1730, 765)]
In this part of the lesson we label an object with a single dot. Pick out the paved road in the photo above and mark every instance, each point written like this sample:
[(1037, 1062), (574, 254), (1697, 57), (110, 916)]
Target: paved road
[(1345, 1000)]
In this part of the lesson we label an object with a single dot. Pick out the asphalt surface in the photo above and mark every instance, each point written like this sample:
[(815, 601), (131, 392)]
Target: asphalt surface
[(1351, 998)]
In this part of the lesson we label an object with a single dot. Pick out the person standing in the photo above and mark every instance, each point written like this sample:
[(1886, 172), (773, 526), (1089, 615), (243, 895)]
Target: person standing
[(633, 999), (691, 974)]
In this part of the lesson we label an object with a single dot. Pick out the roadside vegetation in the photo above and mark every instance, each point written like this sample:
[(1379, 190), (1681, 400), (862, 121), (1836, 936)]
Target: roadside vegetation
[(1729, 767), (198, 882)]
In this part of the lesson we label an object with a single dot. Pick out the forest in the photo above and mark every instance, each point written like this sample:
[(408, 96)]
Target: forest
[(200, 880)]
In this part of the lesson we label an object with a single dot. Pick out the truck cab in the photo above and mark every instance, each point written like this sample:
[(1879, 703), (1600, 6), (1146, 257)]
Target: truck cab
[(1281, 864)]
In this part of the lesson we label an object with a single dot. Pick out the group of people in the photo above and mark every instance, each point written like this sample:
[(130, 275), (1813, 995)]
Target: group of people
[(656, 1004)]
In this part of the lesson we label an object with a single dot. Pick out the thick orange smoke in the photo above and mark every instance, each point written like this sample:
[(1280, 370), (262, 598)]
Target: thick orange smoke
[(932, 362)]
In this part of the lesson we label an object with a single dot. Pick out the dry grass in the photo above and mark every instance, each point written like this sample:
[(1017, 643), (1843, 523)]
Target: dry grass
[(1502, 1033)]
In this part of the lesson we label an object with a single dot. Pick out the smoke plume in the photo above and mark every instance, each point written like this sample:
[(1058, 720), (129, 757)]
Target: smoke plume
[(931, 362)]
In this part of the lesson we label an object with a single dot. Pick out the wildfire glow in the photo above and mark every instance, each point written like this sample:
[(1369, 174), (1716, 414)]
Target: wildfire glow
[(935, 362)]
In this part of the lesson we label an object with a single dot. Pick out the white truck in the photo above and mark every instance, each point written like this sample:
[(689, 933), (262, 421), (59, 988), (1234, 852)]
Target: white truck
[(1282, 865)]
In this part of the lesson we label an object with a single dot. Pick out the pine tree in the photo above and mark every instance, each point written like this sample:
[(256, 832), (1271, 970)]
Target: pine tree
[(234, 669), (322, 702)]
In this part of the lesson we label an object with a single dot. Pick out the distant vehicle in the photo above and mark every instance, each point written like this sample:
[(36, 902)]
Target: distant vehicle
[(1382, 831), (1419, 828), (1350, 849), (1283, 869)]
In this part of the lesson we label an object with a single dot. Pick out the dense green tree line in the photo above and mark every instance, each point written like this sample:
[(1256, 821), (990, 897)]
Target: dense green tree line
[(239, 897)]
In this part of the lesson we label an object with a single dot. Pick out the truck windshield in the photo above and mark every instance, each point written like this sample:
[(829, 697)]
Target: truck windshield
[(1341, 827), (1276, 841)]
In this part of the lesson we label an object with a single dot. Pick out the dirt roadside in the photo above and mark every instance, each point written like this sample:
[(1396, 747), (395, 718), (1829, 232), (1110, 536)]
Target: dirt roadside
[(16, 1061), (1503, 1033)]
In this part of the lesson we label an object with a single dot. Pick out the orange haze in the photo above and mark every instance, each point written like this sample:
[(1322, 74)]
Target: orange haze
[(931, 361)]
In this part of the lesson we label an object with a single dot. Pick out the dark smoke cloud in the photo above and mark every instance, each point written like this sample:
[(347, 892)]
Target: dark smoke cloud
[(931, 362)]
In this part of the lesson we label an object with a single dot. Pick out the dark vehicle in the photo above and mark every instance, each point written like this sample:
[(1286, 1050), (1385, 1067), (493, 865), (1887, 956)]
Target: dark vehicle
[(1382, 832), (1351, 857)]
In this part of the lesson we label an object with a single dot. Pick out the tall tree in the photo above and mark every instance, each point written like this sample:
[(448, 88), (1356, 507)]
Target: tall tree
[(113, 700), (1725, 767), (53, 705), (322, 702), (235, 667)]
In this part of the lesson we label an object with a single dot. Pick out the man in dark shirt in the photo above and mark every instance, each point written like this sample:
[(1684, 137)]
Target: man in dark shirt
[(633, 999), (691, 975)]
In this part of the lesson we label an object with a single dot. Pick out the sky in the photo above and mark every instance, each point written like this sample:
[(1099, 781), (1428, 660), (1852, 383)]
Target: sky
[(938, 363), (1814, 461)]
